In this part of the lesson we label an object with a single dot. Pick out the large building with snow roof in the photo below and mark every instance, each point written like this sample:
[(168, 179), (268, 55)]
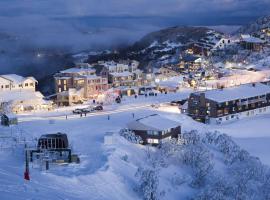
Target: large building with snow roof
[(155, 129), (221, 105)]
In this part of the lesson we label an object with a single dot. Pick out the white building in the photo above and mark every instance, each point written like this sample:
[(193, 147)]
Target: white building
[(10, 82), (18, 94)]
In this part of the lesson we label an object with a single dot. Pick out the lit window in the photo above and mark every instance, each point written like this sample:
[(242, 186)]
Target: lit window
[(152, 141)]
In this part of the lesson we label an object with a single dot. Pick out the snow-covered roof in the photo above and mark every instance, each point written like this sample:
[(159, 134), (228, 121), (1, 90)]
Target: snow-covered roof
[(92, 77), (78, 70), (234, 93), (31, 78), (251, 39), (7, 96), (120, 74), (64, 77), (152, 122), (16, 78)]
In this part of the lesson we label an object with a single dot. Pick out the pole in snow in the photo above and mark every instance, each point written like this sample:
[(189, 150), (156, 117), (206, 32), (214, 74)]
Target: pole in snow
[(26, 173)]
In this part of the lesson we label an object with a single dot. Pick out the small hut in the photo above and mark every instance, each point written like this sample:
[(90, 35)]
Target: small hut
[(53, 141), (53, 144)]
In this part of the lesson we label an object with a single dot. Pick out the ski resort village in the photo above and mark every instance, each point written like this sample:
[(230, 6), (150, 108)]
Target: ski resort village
[(183, 115)]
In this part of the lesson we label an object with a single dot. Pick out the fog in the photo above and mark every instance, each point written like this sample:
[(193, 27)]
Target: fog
[(35, 33)]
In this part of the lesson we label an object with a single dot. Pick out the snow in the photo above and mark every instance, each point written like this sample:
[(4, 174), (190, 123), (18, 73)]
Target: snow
[(120, 74), (103, 173), (92, 77), (251, 39), (238, 77), (78, 70), (7, 96), (16, 78), (238, 92)]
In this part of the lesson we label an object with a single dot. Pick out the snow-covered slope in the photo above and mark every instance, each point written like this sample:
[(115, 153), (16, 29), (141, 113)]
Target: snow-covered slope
[(108, 171)]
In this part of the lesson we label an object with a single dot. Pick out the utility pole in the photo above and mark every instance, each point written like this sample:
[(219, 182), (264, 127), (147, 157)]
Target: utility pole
[(26, 172)]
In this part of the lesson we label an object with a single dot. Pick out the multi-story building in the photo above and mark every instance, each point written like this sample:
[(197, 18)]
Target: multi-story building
[(127, 79), (217, 106), (79, 83), (190, 63), (123, 73), (95, 85)]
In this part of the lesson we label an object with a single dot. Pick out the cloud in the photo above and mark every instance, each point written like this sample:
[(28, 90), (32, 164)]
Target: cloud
[(75, 25)]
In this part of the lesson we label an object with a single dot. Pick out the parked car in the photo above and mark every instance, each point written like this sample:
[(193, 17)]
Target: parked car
[(77, 111), (99, 107), (151, 94), (88, 109)]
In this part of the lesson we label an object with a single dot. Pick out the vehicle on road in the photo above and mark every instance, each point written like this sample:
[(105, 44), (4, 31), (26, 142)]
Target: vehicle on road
[(77, 111), (98, 108), (88, 109)]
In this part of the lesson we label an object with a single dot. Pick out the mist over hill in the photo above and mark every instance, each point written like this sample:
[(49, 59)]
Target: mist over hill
[(40, 45)]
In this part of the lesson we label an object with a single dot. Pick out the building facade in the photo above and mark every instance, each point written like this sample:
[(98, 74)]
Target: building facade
[(218, 106), (77, 84), (251, 43)]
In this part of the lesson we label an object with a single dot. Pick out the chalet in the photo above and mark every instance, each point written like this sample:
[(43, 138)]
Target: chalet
[(155, 129), (251, 43), (222, 105)]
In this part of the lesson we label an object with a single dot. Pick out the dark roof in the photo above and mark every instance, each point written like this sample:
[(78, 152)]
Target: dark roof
[(55, 135), (189, 58)]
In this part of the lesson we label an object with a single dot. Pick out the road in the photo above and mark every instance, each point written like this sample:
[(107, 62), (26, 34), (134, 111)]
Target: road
[(128, 104)]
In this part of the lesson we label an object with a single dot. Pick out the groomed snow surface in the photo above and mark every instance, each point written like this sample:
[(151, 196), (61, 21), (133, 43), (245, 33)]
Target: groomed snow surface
[(107, 171)]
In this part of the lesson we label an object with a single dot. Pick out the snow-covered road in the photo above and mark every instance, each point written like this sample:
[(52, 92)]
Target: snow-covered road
[(128, 104)]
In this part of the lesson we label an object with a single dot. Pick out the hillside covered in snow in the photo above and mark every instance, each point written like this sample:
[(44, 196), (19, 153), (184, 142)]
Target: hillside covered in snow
[(211, 164)]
